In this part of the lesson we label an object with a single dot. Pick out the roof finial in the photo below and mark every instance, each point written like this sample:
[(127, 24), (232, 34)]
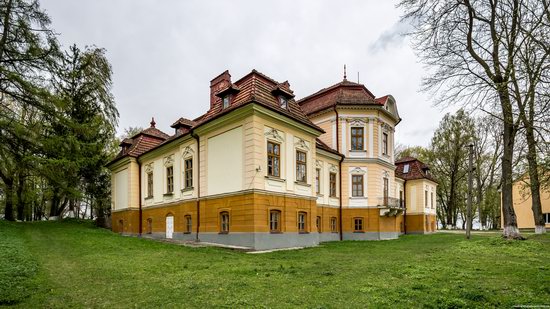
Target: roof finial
[(345, 75), (153, 123)]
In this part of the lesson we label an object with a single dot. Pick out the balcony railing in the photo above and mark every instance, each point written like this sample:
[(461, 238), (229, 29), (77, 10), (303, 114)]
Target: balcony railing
[(390, 202)]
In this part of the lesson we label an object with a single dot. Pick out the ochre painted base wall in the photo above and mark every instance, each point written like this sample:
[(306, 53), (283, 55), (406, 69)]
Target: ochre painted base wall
[(421, 223), (249, 221), (126, 221), (154, 218)]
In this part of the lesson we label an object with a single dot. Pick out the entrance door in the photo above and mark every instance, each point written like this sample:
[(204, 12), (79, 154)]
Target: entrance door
[(169, 226)]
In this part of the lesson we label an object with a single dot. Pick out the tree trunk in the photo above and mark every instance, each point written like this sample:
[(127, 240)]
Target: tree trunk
[(20, 206), (510, 228), (56, 200), (534, 183), (8, 210)]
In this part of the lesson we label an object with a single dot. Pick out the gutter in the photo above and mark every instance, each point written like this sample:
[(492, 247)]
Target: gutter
[(340, 172), (405, 207), (140, 210), (196, 137)]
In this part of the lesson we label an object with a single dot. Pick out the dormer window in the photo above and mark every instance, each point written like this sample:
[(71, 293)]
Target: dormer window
[(227, 94), (283, 102), (406, 169), (225, 101)]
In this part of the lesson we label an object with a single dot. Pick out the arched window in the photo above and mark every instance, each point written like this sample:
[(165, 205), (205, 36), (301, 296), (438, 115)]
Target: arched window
[(302, 219), (318, 224), (149, 226), (224, 222), (275, 221), (188, 224)]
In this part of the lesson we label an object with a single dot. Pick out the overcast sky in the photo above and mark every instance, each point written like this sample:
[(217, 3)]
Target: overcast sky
[(164, 53)]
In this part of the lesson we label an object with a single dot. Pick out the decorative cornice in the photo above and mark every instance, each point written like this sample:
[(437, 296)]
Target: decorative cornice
[(301, 144), (358, 170), (318, 163), (169, 160), (357, 122), (149, 168), (274, 135), (187, 152)]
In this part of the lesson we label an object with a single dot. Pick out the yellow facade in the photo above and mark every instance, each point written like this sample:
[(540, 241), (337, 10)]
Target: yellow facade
[(523, 204), (230, 176)]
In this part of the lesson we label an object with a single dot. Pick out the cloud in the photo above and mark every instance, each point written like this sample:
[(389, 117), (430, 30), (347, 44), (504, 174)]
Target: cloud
[(394, 36), (164, 53)]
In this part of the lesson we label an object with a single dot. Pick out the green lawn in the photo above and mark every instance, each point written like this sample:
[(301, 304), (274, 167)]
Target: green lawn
[(51, 264)]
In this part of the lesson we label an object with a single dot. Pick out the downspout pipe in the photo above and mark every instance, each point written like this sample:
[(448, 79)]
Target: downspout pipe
[(197, 138), (405, 207), (340, 172), (140, 225)]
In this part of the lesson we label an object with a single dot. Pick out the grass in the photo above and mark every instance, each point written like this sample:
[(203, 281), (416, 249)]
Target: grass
[(71, 264)]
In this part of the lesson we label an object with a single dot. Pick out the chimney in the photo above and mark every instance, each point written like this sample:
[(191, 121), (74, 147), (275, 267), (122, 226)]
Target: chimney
[(219, 83)]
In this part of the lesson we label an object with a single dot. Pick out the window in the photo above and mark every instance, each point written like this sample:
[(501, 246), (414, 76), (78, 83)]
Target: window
[(188, 173), (302, 217), (318, 224), (224, 222), (547, 218), (273, 159), (400, 198), (385, 143), (318, 181), (188, 224), (170, 179), (432, 199), (275, 221), (225, 100), (357, 136), (149, 226), (283, 102), (406, 169), (150, 184), (332, 184), (357, 185), (426, 198), (301, 175), (333, 225), (358, 224)]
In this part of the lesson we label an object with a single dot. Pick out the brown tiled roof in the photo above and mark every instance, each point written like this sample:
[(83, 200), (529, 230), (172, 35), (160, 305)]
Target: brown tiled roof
[(417, 169), (183, 122), (382, 100), (154, 132), (141, 142), (321, 145), (256, 87), (342, 93)]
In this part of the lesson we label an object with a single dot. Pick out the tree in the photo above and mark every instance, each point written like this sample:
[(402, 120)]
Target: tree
[(447, 159), (473, 46), (530, 84), (487, 153), (27, 47), (79, 145)]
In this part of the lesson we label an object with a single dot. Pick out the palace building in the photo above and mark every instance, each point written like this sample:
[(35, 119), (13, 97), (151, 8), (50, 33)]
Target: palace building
[(263, 170)]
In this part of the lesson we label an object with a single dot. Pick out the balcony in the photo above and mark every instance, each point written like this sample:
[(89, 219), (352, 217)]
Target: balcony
[(390, 202)]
